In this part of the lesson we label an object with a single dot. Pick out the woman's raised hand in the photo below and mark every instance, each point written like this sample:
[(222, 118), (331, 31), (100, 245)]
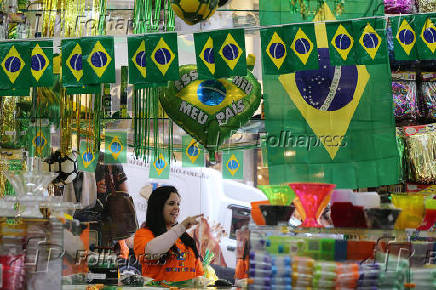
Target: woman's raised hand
[(191, 221)]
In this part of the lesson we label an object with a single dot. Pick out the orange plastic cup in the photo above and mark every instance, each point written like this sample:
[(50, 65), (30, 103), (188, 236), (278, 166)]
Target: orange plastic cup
[(256, 213)]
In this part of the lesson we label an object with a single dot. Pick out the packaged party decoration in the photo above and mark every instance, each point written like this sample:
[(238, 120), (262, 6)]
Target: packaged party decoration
[(425, 6), (399, 6), (404, 95), (428, 93)]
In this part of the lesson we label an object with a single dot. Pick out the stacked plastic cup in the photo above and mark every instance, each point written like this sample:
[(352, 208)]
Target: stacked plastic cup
[(324, 275), (281, 272), (260, 270), (302, 272), (347, 276), (423, 278)]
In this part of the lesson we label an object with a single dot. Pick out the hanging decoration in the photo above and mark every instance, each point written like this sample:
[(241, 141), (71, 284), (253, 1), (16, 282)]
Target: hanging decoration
[(211, 110), (194, 11)]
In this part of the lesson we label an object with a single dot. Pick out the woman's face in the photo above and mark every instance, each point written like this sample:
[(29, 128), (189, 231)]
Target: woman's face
[(171, 209)]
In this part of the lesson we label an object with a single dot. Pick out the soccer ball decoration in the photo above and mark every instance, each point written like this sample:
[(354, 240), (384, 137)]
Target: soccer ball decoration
[(194, 11), (66, 166)]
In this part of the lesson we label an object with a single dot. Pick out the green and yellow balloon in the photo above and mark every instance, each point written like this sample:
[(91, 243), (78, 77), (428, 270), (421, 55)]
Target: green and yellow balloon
[(211, 110)]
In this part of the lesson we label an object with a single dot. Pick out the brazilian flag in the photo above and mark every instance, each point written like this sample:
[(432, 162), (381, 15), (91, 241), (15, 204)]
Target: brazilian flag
[(405, 37), (72, 63), (371, 37), (41, 65), (304, 50), (162, 57), (115, 147), (160, 167), (87, 160), (276, 55), (137, 60), (15, 92), (98, 59), (15, 65), (38, 141), (341, 41), (426, 35), (233, 165), (192, 152), (220, 53)]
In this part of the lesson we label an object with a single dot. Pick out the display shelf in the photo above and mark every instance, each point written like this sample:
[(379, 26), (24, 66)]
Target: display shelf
[(345, 233), (52, 202)]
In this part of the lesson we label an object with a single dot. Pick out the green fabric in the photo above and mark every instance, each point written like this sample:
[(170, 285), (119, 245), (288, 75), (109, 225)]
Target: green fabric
[(342, 42), (304, 49), (86, 160), (404, 36), (38, 140), (15, 65), (334, 125), (15, 92), (220, 53), (426, 35), (370, 37), (233, 164), (115, 147), (137, 61), (151, 85), (192, 152), (72, 63), (160, 167), (98, 59), (42, 63), (276, 53)]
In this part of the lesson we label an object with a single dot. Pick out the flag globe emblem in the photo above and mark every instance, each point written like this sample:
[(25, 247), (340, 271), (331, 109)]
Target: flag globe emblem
[(12, 64), (211, 92), (74, 62), (302, 46), (162, 56), (194, 11), (88, 157), (39, 62), (276, 50), (139, 59), (160, 164), (428, 35), (116, 147), (99, 59), (230, 51), (39, 142), (233, 165), (406, 36), (193, 151)]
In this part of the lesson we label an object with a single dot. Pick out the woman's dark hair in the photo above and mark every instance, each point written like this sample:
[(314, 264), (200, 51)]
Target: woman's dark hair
[(155, 221)]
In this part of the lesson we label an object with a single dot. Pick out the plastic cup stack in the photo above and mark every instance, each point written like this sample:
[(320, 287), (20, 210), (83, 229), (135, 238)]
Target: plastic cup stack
[(302, 272), (423, 278), (281, 272), (324, 275)]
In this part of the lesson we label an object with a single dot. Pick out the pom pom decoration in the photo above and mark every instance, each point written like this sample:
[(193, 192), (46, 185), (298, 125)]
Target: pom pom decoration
[(194, 11)]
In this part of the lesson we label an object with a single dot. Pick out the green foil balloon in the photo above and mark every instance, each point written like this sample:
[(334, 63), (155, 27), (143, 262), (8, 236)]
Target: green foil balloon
[(210, 110)]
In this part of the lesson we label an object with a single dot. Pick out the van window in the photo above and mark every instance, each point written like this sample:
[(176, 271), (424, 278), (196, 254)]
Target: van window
[(240, 217)]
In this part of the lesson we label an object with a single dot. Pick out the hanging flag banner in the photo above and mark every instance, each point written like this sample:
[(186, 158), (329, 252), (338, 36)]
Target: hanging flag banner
[(334, 124), (304, 47), (192, 152), (205, 55), (38, 141), (230, 54), (41, 63), (341, 43), (98, 59), (426, 40), (72, 63), (88, 89), (160, 167), (87, 159), (372, 47), (233, 164), (162, 59), (276, 59), (137, 59), (404, 35), (15, 92), (15, 65), (115, 147)]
